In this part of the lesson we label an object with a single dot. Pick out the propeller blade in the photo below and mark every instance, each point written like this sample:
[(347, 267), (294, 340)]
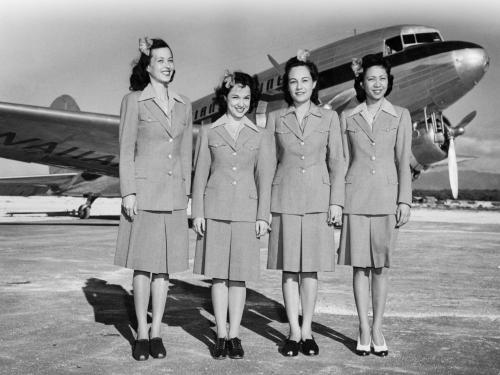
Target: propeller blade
[(452, 168), (466, 120)]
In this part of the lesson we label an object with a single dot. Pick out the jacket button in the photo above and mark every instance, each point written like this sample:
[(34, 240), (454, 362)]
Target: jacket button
[(170, 173), (302, 157), (234, 153), (373, 171), (373, 158), (234, 168), (373, 143), (170, 140), (234, 182), (302, 143), (170, 156), (303, 170)]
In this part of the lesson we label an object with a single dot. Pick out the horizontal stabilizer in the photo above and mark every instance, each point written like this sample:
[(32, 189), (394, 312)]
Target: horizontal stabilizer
[(40, 180)]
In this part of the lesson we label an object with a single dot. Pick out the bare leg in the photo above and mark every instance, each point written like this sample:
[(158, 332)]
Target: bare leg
[(159, 290), (237, 297), (141, 285), (290, 285), (308, 293), (361, 286), (220, 303), (379, 296)]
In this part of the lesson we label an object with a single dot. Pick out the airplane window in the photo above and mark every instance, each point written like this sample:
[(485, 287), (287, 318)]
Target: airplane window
[(428, 37), (269, 85), (211, 108), (261, 86), (393, 45), (409, 39), (196, 114), (203, 111)]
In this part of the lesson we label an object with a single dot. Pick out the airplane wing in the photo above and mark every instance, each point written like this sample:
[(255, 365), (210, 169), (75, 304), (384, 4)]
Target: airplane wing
[(36, 185), (79, 140)]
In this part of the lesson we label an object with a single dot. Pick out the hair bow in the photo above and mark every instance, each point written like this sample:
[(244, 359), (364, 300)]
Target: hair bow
[(145, 45), (228, 80), (357, 66), (303, 55)]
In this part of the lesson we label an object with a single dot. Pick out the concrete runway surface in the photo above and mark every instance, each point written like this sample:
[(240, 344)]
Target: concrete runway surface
[(65, 309)]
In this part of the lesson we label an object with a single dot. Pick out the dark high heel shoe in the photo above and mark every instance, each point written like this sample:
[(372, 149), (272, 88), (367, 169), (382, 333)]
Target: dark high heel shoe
[(309, 347), (290, 348), (140, 351), (234, 348), (220, 349), (156, 348)]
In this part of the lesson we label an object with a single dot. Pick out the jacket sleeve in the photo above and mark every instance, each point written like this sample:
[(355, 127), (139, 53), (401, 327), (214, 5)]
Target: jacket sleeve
[(129, 118), (187, 148), (264, 173), (271, 126), (403, 153), (336, 162), (202, 170)]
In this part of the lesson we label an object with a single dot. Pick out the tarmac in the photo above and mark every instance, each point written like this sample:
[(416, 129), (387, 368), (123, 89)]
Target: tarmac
[(66, 309)]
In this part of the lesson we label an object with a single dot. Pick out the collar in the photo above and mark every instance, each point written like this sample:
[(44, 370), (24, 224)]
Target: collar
[(386, 106), (150, 93), (313, 110), (224, 119)]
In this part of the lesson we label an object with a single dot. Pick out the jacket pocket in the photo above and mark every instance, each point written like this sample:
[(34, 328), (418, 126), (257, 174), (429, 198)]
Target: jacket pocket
[(140, 173)]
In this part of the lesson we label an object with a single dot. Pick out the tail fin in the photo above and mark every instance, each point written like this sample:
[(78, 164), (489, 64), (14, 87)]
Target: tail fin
[(65, 103)]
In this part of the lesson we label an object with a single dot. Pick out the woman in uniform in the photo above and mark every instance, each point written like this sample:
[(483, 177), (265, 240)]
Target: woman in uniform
[(307, 197), (231, 198), (377, 142), (155, 176)]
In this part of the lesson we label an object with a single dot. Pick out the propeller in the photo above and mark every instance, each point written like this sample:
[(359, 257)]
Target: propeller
[(454, 132)]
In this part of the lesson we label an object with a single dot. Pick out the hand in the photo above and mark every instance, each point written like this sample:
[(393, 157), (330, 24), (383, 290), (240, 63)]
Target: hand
[(129, 206), (334, 215), (261, 228), (402, 214), (199, 226)]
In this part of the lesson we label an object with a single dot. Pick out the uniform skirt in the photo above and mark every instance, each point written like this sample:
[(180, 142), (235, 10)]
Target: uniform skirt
[(367, 240), (156, 241), (229, 250), (301, 243)]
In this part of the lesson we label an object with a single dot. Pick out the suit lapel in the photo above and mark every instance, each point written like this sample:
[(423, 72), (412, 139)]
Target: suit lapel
[(312, 123), (221, 130), (159, 115), (244, 137), (290, 121), (364, 125), (382, 118)]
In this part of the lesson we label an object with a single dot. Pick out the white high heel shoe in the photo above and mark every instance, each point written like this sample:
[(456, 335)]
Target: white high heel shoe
[(362, 350), (380, 350)]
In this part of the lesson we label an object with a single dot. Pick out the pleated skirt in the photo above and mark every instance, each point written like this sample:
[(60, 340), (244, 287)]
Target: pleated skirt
[(155, 241), (229, 250), (367, 240), (301, 243)]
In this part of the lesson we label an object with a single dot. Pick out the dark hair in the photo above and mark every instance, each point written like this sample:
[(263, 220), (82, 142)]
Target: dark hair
[(368, 62), (242, 79), (292, 63), (139, 78)]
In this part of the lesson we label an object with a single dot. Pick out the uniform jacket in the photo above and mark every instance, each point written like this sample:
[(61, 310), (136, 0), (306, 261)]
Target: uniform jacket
[(310, 171), (232, 179), (155, 151), (378, 175)]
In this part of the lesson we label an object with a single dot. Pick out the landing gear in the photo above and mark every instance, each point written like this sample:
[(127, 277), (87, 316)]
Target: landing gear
[(84, 209)]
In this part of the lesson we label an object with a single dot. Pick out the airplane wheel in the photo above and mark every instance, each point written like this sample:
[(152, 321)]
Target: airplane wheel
[(84, 211)]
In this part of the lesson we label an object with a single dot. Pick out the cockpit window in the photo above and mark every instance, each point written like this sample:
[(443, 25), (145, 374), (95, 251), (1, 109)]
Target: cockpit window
[(428, 37), (398, 43)]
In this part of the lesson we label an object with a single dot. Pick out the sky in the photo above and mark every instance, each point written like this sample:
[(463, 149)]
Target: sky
[(85, 48)]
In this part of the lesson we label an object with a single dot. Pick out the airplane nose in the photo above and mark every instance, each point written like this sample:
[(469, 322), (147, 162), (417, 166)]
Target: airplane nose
[(471, 65)]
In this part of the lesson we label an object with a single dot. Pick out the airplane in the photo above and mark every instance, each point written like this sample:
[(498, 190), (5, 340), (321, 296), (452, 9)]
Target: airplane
[(430, 74)]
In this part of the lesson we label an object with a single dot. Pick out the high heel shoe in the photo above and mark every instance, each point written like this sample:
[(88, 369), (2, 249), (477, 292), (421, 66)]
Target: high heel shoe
[(380, 350), (140, 352), (156, 348), (309, 347), (290, 348), (220, 348), (362, 350)]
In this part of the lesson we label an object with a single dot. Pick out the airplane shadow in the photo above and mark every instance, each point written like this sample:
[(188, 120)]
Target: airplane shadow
[(187, 307)]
